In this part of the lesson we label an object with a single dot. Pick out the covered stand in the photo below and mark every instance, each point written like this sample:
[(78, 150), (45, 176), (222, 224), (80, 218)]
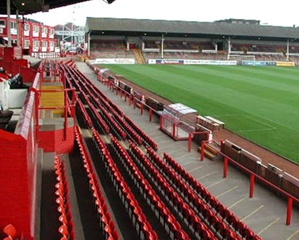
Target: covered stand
[(178, 121)]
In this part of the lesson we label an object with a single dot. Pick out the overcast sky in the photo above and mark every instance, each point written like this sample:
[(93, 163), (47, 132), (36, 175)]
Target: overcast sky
[(277, 13)]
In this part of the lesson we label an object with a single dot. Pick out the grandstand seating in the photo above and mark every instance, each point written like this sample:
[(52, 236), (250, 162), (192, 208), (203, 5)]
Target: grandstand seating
[(110, 49), (226, 214), (184, 192), (172, 227), (108, 44), (134, 210), (107, 226), (66, 228), (190, 49), (147, 140), (110, 116), (181, 204)]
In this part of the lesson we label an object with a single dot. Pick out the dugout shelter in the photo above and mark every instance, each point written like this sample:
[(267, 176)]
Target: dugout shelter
[(177, 120)]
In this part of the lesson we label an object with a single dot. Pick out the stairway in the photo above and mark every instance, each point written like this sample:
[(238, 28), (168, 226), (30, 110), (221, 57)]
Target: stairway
[(211, 150), (139, 56)]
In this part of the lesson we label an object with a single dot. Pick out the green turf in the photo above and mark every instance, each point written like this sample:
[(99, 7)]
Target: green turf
[(259, 103)]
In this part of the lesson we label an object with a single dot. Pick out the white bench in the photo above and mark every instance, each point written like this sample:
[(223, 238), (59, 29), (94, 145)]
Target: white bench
[(221, 124), (208, 123)]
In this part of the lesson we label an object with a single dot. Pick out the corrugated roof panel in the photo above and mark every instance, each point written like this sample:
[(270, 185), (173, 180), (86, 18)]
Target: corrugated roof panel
[(189, 27)]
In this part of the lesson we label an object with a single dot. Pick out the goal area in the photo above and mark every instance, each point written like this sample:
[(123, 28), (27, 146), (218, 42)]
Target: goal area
[(240, 58)]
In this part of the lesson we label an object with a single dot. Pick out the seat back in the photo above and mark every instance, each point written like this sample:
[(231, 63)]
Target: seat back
[(10, 231)]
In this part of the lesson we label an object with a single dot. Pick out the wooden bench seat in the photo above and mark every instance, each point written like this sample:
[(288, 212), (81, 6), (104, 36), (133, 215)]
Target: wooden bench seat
[(221, 124), (208, 123)]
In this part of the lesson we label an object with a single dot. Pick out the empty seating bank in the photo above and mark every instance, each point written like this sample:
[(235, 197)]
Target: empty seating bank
[(184, 214)]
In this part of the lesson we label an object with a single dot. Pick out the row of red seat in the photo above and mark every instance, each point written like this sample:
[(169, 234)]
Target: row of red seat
[(167, 219), (171, 232), (135, 212), (180, 205), (70, 63), (148, 140), (104, 116), (105, 107), (100, 101), (132, 134), (66, 228), (107, 225), (101, 118), (196, 187), (83, 111), (89, 88), (133, 131), (205, 212), (114, 125), (91, 109), (100, 122)]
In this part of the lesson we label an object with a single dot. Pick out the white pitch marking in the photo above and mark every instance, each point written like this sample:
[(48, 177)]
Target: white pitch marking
[(268, 128)]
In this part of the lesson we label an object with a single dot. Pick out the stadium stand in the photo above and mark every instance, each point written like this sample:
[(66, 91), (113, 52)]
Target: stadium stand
[(161, 199), (202, 40)]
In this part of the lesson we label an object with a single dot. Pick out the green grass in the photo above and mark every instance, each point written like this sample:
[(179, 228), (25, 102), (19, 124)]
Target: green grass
[(258, 103)]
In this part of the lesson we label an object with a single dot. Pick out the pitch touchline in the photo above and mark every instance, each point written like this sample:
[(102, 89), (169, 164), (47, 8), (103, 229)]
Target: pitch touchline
[(257, 129), (268, 126)]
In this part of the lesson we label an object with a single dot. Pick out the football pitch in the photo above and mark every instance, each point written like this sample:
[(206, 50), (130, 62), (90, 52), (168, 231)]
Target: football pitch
[(258, 103)]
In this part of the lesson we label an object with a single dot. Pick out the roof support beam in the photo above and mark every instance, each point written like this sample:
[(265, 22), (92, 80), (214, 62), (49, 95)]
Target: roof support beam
[(8, 22)]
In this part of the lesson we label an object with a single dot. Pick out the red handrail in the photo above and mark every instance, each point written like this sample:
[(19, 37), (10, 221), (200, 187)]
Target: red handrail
[(253, 177)]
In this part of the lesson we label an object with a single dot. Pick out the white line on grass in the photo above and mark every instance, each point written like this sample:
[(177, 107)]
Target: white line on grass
[(257, 130), (270, 126), (267, 128)]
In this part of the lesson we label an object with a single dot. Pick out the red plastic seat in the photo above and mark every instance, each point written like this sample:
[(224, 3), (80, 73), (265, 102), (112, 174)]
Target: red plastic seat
[(10, 231), (63, 230), (61, 209), (114, 235), (63, 219)]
